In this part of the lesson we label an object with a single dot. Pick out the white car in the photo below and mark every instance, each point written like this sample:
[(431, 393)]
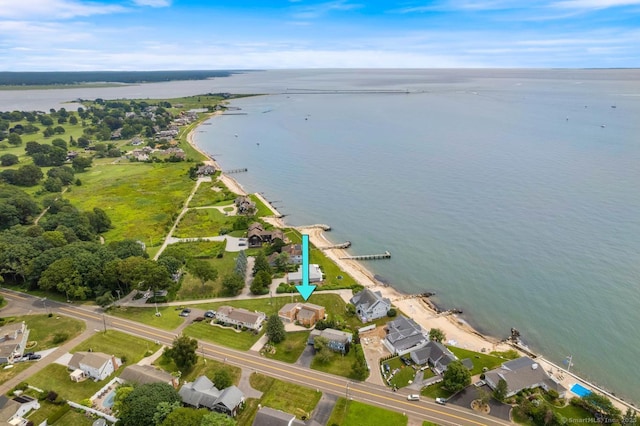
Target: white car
[(413, 397), (441, 401)]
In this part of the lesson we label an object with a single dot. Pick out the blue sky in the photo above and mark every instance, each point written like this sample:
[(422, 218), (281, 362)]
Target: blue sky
[(43, 35)]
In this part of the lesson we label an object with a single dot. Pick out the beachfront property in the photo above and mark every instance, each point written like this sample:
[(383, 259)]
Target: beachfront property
[(92, 365), (203, 393), (12, 411), (304, 313), (522, 373), (269, 417), (434, 354), (13, 340), (145, 374), (257, 235), (337, 341), (370, 305), (245, 205), (240, 317), (294, 255), (315, 275), (206, 170), (404, 335)]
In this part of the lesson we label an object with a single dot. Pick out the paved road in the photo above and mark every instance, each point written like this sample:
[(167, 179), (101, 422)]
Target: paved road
[(360, 391)]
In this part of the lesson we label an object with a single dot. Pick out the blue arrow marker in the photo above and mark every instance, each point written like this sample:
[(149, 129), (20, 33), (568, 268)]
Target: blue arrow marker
[(305, 289)]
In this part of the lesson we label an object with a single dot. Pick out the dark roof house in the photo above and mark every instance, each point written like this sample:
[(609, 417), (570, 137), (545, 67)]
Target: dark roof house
[(144, 374), (258, 236), (202, 393), (269, 417), (404, 335), (435, 354), (522, 373)]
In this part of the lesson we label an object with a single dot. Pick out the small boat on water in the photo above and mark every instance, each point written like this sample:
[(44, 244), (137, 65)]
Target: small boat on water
[(603, 126)]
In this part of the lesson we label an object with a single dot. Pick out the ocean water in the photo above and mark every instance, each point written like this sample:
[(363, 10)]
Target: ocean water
[(513, 197)]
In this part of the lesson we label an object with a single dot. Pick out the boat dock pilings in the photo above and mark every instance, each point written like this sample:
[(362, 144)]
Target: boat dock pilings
[(228, 172), (385, 255)]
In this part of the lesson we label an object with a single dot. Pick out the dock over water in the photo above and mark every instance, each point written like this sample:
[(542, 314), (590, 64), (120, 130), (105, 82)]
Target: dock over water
[(385, 255)]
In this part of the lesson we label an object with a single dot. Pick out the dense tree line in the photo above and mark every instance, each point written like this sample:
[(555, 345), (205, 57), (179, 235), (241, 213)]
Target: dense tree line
[(62, 77)]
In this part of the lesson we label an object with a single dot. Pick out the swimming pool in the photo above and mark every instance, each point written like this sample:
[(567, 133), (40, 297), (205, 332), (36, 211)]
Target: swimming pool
[(580, 390), (108, 400)]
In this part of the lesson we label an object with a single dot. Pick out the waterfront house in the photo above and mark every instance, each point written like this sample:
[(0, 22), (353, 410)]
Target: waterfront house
[(337, 341), (202, 393), (435, 354), (240, 317), (295, 253), (269, 417), (305, 313), (315, 274), (93, 365), (257, 235), (522, 373), (145, 374), (370, 305), (245, 205), (206, 170), (13, 340), (404, 335)]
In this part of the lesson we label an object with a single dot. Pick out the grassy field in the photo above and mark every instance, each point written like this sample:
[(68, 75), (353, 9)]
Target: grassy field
[(291, 348), (169, 319), (71, 418), (203, 367), (203, 223), (435, 391), (331, 271), (261, 208), (340, 365), (288, 397), (42, 329), (402, 378), (198, 249), (10, 373), (353, 413), (56, 377), (191, 287), (140, 198), (242, 340), (215, 193), (129, 348), (479, 360)]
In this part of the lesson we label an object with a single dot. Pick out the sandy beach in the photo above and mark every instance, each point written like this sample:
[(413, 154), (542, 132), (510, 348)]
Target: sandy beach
[(457, 331)]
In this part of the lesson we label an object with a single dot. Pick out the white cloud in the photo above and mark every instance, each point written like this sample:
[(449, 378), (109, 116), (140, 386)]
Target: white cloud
[(54, 9), (466, 5), (318, 10), (153, 3), (593, 4)]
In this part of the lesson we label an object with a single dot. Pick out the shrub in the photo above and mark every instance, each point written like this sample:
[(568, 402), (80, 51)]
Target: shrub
[(392, 313), (59, 338)]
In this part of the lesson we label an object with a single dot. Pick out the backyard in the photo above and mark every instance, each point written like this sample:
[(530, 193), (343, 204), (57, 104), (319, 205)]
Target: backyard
[(288, 397), (354, 413), (290, 349)]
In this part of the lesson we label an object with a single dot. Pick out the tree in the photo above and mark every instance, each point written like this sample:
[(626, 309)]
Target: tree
[(28, 175), (501, 390), (261, 264), (232, 283), (80, 164), (9, 160), (52, 184), (282, 262), (141, 403), (99, 220), (217, 419), (261, 283), (359, 367), (127, 248), (60, 143), (202, 270), (163, 410), (456, 377), (275, 329), (14, 139), (222, 379), (183, 352), (436, 335), (184, 416), (73, 120)]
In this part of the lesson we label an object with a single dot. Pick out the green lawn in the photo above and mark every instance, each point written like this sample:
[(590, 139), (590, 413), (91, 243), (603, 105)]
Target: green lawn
[(198, 249), (10, 373), (479, 359), (203, 223), (261, 208), (435, 391), (212, 194), (354, 413), (42, 329), (402, 378), (331, 271), (191, 288), (291, 348), (288, 397), (56, 377), (206, 367), (242, 340), (168, 320), (140, 198), (248, 413), (130, 348), (340, 365)]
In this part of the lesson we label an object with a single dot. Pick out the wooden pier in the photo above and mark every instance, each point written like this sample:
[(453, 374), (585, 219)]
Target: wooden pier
[(344, 245), (385, 255), (228, 172)]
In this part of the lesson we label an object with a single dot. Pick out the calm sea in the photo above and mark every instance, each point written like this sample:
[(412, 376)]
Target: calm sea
[(500, 190), (512, 195)]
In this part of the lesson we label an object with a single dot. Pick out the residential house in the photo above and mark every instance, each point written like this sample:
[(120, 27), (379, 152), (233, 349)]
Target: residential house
[(435, 354), (12, 411), (337, 340), (13, 340), (93, 365), (245, 205), (295, 253), (136, 141), (202, 393), (144, 374), (404, 335), (269, 417), (522, 373), (257, 235), (206, 170), (240, 317), (304, 313), (370, 305), (315, 274)]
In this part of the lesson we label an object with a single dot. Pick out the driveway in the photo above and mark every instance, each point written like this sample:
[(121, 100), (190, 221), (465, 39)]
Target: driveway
[(468, 394), (306, 357), (374, 349), (324, 408)]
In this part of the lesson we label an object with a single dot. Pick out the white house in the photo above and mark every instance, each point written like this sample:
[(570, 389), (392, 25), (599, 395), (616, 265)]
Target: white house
[(240, 317), (94, 365), (315, 275), (13, 339), (370, 305), (12, 411)]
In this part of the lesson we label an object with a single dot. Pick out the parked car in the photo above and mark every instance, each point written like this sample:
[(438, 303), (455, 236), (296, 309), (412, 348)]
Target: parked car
[(27, 354), (413, 397), (33, 357), (198, 319), (185, 312), (441, 401), (210, 314)]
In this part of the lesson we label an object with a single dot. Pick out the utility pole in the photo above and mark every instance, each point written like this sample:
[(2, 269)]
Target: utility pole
[(104, 323)]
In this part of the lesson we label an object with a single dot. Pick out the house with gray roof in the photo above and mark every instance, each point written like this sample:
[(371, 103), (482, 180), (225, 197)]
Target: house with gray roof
[(202, 393), (13, 340), (94, 365), (269, 417), (404, 335), (435, 354), (522, 373), (337, 341), (370, 305), (240, 317), (145, 374)]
